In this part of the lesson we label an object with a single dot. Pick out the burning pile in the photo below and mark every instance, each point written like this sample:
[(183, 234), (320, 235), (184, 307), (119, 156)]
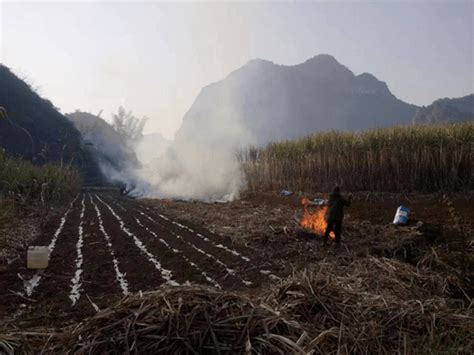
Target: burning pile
[(315, 222)]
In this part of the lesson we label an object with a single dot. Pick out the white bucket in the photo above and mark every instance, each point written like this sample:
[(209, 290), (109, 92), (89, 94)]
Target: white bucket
[(37, 257)]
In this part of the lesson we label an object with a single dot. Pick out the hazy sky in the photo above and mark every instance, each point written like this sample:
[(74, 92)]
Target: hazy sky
[(154, 58)]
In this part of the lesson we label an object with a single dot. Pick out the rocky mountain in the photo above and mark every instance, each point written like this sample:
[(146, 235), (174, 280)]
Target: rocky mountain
[(33, 129), (265, 102), (447, 110)]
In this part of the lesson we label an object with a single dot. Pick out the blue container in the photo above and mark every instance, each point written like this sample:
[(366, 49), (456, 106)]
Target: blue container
[(401, 217)]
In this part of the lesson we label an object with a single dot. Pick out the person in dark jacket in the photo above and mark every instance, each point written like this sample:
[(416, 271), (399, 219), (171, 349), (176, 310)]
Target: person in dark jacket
[(123, 191), (335, 214)]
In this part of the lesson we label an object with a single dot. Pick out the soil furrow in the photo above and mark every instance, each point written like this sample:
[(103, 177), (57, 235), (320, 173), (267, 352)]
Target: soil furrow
[(119, 275), (222, 273), (213, 241), (221, 242), (106, 247), (141, 272), (201, 240), (210, 242), (170, 254), (231, 277), (56, 282), (99, 279), (246, 271), (11, 284), (179, 258), (225, 274)]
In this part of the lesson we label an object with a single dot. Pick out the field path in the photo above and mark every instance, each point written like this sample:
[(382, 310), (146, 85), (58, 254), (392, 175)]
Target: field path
[(104, 247)]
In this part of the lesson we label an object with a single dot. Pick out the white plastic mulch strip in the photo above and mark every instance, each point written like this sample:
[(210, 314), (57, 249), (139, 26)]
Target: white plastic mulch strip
[(31, 284), (165, 274), (162, 241), (221, 246), (52, 245), (119, 276), (176, 251), (120, 206), (199, 250), (76, 283), (199, 235)]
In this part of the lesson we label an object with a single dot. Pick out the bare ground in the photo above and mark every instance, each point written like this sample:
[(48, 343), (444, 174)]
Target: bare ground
[(270, 224), (107, 246)]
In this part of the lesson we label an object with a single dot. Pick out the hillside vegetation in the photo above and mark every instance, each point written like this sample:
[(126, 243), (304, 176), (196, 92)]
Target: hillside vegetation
[(22, 183), (33, 129), (405, 158), (447, 110)]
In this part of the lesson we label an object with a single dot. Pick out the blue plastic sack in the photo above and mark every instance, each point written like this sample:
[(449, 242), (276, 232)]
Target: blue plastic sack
[(401, 217)]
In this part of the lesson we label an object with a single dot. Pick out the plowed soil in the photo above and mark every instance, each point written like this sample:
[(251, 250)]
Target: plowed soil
[(104, 246), (269, 223), (109, 246)]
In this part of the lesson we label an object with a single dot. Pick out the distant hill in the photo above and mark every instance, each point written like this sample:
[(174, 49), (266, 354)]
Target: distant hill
[(34, 129), (447, 110), (104, 144), (274, 102)]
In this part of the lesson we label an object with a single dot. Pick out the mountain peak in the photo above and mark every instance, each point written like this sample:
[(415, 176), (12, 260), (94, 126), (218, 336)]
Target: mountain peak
[(319, 59), (274, 102), (259, 61), (326, 68), (323, 58), (367, 83)]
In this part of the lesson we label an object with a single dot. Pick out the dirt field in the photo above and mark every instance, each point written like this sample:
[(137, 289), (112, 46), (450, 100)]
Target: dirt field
[(269, 224), (103, 247)]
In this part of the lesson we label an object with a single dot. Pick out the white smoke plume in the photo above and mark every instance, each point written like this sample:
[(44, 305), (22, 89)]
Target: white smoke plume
[(201, 164)]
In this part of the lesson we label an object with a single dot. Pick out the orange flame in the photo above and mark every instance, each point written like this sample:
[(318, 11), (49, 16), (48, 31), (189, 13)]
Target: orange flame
[(315, 221)]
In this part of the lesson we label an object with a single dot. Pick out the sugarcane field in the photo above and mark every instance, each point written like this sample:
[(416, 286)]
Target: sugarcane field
[(236, 178)]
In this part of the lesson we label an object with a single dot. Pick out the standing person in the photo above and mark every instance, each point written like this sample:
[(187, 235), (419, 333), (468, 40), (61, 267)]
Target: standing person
[(335, 214), (123, 191)]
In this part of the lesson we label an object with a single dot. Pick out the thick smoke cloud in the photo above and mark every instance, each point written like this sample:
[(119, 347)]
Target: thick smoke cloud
[(201, 163)]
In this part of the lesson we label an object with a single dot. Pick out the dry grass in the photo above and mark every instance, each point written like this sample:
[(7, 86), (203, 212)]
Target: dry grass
[(455, 257), (183, 320), (25, 191), (24, 182), (373, 305), (376, 306)]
